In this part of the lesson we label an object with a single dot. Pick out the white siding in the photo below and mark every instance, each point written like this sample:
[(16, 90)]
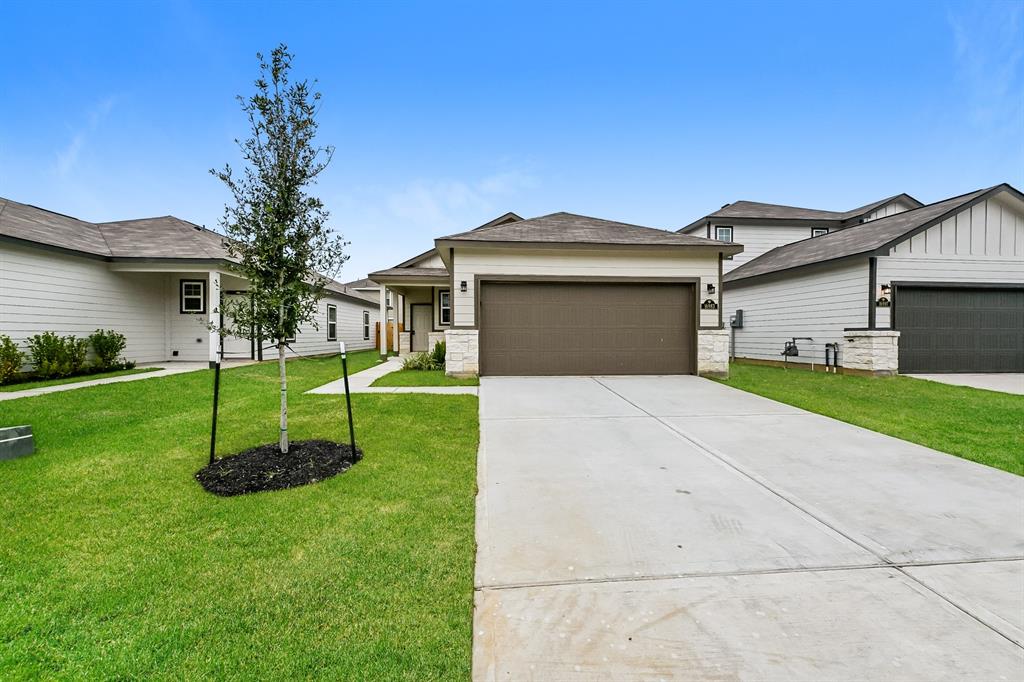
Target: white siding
[(819, 305), (186, 332), (564, 262), (46, 291), (312, 341), (758, 239), (982, 244)]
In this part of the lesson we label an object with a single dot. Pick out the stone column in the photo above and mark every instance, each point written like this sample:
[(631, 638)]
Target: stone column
[(462, 353), (874, 351), (713, 352)]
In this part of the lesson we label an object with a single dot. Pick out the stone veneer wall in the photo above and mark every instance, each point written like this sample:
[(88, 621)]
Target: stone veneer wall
[(872, 351), (462, 352), (713, 352), (404, 343), (433, 338)]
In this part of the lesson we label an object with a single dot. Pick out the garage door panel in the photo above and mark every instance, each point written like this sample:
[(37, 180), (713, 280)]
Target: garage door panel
[(564, 328), (954, 329)]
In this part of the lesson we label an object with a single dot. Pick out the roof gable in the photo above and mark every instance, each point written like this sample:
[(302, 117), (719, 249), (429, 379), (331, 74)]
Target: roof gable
[(865, 239), (570, 228)]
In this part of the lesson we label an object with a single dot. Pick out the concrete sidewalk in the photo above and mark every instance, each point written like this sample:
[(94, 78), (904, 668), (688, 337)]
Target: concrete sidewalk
[(676, 528), (165, 370), (360, 383)]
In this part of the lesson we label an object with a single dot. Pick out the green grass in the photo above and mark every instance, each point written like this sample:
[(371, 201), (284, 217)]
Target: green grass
[(421, 377), (26, 385), (115, 564), (982, 426)]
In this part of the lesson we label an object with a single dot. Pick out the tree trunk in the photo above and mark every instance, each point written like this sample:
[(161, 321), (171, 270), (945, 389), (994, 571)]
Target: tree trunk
[(284, 398)]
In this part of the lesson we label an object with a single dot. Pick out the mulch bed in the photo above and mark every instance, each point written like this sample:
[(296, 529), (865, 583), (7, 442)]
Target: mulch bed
[(265, 468)]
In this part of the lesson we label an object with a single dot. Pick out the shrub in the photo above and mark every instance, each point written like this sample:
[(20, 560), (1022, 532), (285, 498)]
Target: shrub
[(54, 356), (107, 344), (437, 355), (11, 359), (426, 361)]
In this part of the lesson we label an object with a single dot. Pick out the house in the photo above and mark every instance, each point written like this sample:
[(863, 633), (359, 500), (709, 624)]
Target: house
[(895, 285), (565, 294), (158, 281)]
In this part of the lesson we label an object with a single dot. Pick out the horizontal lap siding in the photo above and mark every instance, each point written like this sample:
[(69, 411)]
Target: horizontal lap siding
[(759, 239), (565, 263), (45, 291), (313, 341), (819, 305)]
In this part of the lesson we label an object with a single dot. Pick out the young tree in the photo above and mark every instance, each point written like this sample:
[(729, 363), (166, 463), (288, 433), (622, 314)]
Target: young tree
[(276, 230)]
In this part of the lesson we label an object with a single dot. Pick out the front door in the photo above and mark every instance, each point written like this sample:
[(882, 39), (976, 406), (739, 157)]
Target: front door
[(422, 323)]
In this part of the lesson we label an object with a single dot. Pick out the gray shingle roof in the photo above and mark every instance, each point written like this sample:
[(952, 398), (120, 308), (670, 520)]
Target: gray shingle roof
[(569, 228), (163, 237), (756, 209), (33, 224), (862, 239), (414, 273)]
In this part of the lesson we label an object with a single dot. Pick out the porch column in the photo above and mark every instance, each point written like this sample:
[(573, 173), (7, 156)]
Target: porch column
[(213, 310), (383, 321)]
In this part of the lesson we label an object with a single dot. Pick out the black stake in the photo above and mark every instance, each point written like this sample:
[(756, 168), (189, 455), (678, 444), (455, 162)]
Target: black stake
[(216, 396), (348, 400)]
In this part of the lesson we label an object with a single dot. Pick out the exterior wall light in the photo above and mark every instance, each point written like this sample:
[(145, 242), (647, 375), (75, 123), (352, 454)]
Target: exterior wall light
[(462, 286), (711, 288)]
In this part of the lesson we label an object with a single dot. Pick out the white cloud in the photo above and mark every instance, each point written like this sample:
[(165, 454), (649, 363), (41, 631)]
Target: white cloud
[(988, 52), (67, 158)]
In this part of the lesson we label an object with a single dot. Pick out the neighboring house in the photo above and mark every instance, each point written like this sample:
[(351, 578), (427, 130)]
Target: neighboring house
[(565, 294), (761, 227), (936, 288), (370, 290), (158, 281)]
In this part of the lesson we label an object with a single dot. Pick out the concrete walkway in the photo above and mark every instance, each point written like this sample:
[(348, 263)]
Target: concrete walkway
[(165, 370), (360, 383), (1004, 383), (675, 528)]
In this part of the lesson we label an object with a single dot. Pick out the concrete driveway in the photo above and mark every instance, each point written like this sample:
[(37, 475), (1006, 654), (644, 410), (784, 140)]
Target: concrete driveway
[(1004, 383), (675, 528)]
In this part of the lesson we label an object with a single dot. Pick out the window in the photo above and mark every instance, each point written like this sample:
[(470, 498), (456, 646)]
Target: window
[(193, 296), (332, 323), (818, 231), (723, 234), (444, 298), (366, 325)]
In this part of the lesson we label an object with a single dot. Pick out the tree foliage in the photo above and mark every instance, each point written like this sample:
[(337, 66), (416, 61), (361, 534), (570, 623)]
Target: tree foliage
[(277, 231)]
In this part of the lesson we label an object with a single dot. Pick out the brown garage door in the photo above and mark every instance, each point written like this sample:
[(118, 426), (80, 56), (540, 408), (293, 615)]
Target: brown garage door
[(572, 328)]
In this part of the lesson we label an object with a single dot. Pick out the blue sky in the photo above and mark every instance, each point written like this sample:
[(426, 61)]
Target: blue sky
[(445, 115)]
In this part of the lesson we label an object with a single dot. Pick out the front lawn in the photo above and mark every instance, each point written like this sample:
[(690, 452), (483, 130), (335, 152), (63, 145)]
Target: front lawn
[(983, 426), (40, 383), (115, 564), (423, 377)]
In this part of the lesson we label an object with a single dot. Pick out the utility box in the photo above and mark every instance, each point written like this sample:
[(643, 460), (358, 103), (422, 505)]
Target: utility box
[(736, 321), (16, 441)]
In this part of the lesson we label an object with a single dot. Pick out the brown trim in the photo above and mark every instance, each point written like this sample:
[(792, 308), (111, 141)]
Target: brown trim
[(806, 367), (479, 279), (731, 249), (440, 308), (872, 287), (721, 290)]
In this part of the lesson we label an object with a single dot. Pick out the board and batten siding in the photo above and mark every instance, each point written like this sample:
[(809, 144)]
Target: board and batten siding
[(584, 263), (48, 291), (892, 208), (983, 244), (818, 304), (759, 239)]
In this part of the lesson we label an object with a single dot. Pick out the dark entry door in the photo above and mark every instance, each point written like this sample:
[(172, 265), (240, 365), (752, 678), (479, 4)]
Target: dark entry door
[(576, 328), (954, 329)]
